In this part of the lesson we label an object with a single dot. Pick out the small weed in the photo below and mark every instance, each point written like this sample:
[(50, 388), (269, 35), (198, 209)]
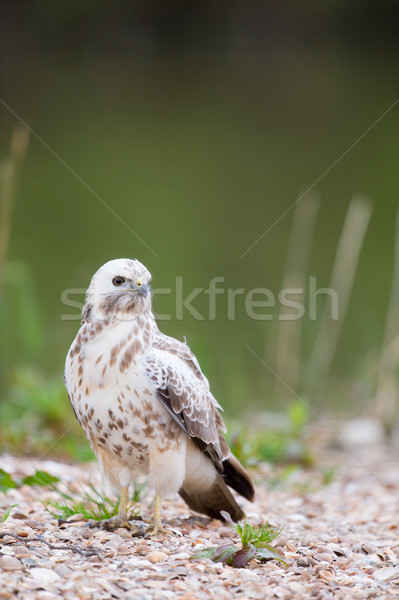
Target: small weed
[(7, 513), (255, 543), (328, 475), (39, 478), (90, 503), (6, 481)]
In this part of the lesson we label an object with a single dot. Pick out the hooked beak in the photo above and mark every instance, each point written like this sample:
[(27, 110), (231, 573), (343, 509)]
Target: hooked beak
[(143, 290)]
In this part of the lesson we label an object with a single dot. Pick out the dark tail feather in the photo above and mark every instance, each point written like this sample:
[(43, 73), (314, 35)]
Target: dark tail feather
[(212, 500), (237, 478)]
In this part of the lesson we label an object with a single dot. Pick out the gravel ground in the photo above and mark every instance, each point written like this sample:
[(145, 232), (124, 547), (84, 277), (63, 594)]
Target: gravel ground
[(341, 540)]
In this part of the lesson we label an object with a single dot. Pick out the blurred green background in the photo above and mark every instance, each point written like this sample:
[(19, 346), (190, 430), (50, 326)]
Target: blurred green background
[(199, 124)]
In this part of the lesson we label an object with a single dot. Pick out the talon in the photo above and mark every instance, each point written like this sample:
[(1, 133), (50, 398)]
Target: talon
[(154, 530), (138, 529), (110, 524), (92, 524), (115, 523)]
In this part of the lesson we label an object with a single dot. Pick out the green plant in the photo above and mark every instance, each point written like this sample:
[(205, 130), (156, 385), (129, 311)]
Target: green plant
[(39, 478), (255, 543), (328, 474), (90, 503), (7, 513)]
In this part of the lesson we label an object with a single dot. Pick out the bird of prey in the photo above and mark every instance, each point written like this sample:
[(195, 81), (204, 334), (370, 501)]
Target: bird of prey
[(144, 403)]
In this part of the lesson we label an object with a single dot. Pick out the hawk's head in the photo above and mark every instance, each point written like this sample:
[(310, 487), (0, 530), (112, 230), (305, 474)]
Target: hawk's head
[(120, 288)]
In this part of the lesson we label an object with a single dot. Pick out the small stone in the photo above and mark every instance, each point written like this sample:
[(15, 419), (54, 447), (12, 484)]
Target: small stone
[(123, 532), (10, 563), (181, 555), (337, 549), (77, 517), (296, 587), (325, 575), (86, 534), (102, 536), (345, 580), (375, 559), (72, 533), (43, 595), (370, 570), (305, 561), (156, 556), (23, 533), (386, 573), (324, 556), (8, 550), (36, 524), (142, 548), (21, 550), (27, 561), (368, 548), (44, 576), (62, 570), (19, 515)]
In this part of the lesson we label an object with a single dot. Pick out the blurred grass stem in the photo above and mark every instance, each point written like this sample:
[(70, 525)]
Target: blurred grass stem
[(386, 396), (10, 172), (342, 278), (288, 352)]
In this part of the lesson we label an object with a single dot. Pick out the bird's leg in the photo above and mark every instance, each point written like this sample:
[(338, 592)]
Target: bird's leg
[(156, 526), (122, 512), (120, 520)]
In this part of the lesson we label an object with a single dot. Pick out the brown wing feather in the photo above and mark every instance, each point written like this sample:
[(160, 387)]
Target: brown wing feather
[(185, 394), (169, 344), (187, 398), (202, 425)]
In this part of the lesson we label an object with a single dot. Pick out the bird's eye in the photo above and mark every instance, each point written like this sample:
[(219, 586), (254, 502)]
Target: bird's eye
[(118, 281)]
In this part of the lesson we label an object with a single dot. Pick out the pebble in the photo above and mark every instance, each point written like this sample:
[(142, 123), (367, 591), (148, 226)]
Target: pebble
[(44, 576), (156, 556), (86, 533), (305, 561), (21, 550), (72, 533), (33, 524), (324, 556), (43, 595), (386, 573), (19, 515), (368, 548), (340, 541), (337, 549), (375, 559), (62, 570), (8, 550), (27, 561), (10, 563)]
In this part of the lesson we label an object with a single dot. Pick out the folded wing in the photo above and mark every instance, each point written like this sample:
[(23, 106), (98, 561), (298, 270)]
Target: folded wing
[(184, 391)]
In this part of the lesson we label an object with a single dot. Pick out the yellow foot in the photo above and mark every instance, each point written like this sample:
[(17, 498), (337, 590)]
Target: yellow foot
[(120, 523), (155, 530)]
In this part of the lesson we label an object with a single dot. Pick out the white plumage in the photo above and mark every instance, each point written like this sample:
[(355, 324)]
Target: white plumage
[(144, 403)]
